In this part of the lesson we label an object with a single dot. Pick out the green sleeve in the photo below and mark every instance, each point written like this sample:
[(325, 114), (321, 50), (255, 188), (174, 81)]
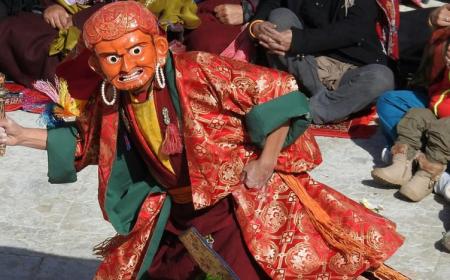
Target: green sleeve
[(171, 82), (267, 117), (61, 143)]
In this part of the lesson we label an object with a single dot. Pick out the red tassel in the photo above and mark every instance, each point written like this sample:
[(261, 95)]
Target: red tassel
[(172, 143)]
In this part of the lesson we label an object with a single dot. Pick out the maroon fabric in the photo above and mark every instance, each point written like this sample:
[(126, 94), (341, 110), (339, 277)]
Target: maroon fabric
[(158, 170), (24, 44), (173, 262), (177, 161), (211, 36), (81, 79), (46, 3), (82, 16)]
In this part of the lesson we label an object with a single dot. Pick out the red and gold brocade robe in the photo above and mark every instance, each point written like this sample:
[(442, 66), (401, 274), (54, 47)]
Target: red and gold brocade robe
[(227, 108)]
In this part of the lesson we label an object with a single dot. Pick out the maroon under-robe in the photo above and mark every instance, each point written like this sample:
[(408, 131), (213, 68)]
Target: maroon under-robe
[(211, 36), (173, 262)]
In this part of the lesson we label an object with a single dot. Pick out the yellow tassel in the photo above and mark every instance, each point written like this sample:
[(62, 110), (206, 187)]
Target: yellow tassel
[(336, 237), (385, 272)]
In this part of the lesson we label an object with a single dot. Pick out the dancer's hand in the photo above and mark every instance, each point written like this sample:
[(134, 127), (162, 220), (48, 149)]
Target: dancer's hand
[(256, 173), (231, 14), (58, 17), (10, 132), (440, 17)]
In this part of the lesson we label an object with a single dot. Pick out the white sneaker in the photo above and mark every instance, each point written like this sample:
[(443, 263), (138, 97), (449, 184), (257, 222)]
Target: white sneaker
[(442, 187), (386, 156)]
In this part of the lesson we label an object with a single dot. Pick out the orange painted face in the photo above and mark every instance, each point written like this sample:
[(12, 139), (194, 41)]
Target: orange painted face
[(129, 61)]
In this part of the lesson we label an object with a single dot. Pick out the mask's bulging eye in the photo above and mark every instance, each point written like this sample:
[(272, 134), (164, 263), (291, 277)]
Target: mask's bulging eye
[(112, 59), (136, 50)]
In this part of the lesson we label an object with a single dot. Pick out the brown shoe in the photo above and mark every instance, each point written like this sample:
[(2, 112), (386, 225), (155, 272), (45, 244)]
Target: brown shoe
[(423, 181), (399, 172)]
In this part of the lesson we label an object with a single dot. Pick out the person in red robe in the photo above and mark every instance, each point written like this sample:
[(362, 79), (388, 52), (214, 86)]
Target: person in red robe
[(34, 44), (198, 140), (222, 25)]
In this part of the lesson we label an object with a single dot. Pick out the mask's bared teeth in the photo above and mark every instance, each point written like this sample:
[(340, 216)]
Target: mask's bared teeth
[(132, 76)]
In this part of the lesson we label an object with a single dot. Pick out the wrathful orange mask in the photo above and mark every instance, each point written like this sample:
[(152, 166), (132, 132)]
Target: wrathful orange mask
[(129, 62)]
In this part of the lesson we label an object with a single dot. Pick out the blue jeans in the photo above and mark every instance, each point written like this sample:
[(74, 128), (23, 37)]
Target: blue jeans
[(393, 105)]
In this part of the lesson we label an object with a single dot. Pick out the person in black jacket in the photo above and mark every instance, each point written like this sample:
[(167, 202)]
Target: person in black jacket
[(331, 47), (12, 7)]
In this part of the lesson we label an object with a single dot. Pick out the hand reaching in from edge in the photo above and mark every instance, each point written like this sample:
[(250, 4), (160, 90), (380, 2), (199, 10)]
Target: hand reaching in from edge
[(440, 17), (256, 173), (10, 132), (58, 17), (231, 14)]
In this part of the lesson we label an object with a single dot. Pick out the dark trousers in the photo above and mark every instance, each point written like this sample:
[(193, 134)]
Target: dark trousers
[(420, 129), (357, 89), (413, 35)]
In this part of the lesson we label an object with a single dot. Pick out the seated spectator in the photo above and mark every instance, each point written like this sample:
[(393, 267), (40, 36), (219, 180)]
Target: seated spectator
[(419, 129), (33, 44), (339, 60), (11, 7), (222, 22), (174, 13), (413, 36), (393, 105)]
